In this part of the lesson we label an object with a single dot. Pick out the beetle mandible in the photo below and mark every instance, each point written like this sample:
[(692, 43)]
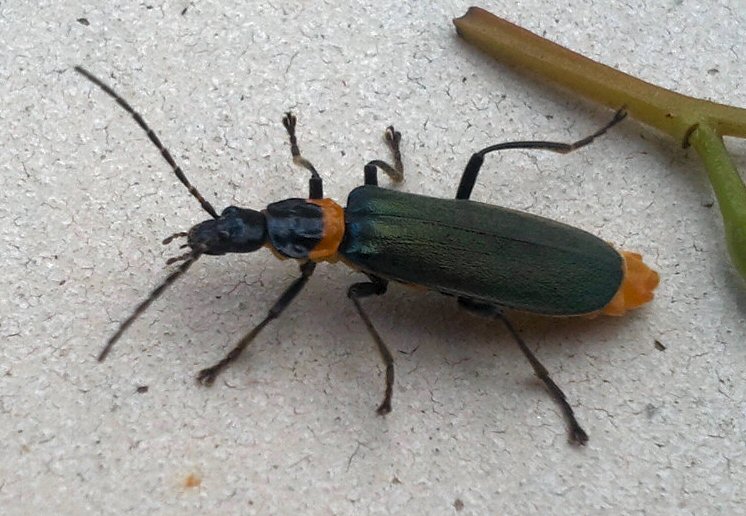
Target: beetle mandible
[(488, 257)]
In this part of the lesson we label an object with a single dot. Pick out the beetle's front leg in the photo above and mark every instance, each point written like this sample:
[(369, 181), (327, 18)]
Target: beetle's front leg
[(315, 184), (376, 287), (207, 376), (395, 173)]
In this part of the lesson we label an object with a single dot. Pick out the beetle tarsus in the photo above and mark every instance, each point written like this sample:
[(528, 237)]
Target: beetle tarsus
[(393, 140), (395, 172), (384, 408), (207, 376), (577, 434)]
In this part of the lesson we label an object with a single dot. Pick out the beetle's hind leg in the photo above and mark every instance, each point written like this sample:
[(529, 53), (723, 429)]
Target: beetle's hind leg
[(469, 177), (395, 172), (315, 184), (376, 287), (577, 433)]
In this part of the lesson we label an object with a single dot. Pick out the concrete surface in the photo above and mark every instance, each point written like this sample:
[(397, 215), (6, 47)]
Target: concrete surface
[(291, 428)]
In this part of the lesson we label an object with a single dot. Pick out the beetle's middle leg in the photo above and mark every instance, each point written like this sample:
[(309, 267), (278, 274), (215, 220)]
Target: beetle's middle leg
[(207, 376), (577, 433), (315, 184), (376, 287), (396, 172), (469, 177)]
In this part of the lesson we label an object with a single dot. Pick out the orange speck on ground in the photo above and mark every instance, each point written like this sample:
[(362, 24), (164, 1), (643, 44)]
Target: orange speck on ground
[(192, 480)]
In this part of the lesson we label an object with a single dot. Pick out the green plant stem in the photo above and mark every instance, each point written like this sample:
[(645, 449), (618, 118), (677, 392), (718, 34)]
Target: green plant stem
[(687, 119), (729, 190)]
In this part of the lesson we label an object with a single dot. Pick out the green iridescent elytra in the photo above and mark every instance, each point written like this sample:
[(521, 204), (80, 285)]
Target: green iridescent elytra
[(480, 251)]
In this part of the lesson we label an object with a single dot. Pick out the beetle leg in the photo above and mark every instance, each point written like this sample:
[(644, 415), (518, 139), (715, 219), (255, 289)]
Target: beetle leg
[(469, 177), (395, 173), (577, 433), (376, 287), (315, 184), (207, 376)]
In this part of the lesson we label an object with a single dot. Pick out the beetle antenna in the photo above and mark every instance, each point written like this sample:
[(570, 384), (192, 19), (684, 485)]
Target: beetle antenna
[(155, 294), (153, 138)]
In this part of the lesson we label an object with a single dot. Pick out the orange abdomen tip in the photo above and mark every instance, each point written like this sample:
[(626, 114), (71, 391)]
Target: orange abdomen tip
[(637, 286)]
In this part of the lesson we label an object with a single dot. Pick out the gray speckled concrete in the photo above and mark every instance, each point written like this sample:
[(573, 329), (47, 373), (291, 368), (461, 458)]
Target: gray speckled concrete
[(291, 428)]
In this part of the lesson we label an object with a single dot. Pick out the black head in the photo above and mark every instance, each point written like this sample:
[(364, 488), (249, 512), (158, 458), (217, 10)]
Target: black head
[(237, 230)]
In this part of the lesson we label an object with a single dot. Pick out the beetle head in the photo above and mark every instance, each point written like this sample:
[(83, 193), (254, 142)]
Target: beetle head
[(237, 230)]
